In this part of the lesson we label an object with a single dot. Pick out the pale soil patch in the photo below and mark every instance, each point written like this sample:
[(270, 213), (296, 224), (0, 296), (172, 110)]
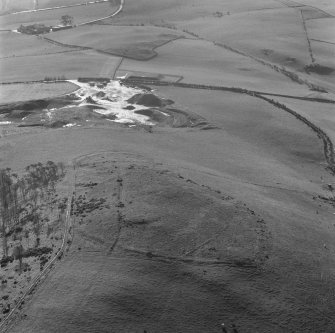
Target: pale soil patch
[(72, 65), (25, 92), (95, 104)]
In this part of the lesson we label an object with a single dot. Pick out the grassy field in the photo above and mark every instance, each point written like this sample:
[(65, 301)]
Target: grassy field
[(280, 32), (202, 62), (24, 92), (72, 65), (18, 45), (281, 38), (322, 29), (133, 42), (322, 115), (80, 15), (174, 12), (327, 5)]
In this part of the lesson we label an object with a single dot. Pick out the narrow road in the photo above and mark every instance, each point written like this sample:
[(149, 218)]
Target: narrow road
[(120, 8), (107, 17), (58, 7)]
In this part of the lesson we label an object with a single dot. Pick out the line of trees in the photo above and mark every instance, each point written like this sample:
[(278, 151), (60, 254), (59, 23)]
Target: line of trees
[(55, 78), (20, 197)]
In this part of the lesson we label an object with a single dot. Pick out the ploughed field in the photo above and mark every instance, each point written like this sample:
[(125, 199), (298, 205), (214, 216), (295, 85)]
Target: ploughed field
[(194, 166)]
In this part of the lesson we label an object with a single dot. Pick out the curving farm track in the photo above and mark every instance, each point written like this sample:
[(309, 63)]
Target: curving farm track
[(59, 7), (118, 10)]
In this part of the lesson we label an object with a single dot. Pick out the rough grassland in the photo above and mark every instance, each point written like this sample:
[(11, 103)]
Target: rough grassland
[(133, 42), (72, 65), (10, 93), (281, 38), (278, 31), (203, 62), (80, 14), (322, 29), (254, 165), (181, 229), (322, 115), (168, 218)]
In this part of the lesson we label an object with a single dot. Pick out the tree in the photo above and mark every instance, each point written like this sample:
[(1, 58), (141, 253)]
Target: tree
[(18, 254), (66, 20), (7, 198)]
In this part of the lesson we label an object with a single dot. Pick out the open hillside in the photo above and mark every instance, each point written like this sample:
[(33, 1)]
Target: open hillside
[(167, 166)]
